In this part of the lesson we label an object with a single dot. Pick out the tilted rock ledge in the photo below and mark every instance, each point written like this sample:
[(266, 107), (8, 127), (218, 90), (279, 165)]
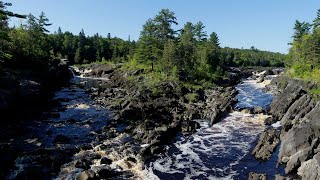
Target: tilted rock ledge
[(299, 114)]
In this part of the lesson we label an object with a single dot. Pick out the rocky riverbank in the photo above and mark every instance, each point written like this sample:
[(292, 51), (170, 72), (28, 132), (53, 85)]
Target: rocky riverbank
[(79, 138), (298, 113), (145, 120)]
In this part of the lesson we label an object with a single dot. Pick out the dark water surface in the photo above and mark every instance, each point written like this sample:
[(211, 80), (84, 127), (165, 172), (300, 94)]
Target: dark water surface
[(70, 123)]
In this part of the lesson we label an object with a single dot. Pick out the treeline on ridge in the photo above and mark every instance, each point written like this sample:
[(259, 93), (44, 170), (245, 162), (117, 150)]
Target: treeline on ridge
[(189, 52)]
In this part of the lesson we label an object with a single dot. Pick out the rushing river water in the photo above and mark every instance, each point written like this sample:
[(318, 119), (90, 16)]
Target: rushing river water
[(221, 151), (71, 123)]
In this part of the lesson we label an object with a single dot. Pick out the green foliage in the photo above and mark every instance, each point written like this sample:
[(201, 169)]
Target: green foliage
[(30, 43), (252, 57), (300, 29), (192, 97), (168, 59), (315, 92), (155, 33), (305, 51), (162, 52), (5, 40), (200, 33)]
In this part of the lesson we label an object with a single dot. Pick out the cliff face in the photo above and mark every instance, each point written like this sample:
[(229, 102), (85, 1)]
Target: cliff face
[(299, 114)]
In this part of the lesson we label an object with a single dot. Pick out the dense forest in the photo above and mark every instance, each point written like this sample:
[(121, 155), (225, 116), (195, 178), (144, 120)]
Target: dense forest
[(305, 51), (189, 52)]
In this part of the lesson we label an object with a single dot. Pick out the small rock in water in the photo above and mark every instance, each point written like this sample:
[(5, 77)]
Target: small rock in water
[(83, 164), (247, 111), (276, 125), (31, 140), (256, 176), (279, 177), (144, 145), (269, 120), (106, 161), (260, 79), (258, 110), (54, 114)]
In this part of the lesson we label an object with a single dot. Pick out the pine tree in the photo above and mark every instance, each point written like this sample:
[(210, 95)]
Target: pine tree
[(78, 59), (43, 22), (187, 48), (300, 29), (4, 30), (316, 21), (214, 51), (214, 40), (168, 58), (199, 31), (148, 43), (163, 22), (80, 52)]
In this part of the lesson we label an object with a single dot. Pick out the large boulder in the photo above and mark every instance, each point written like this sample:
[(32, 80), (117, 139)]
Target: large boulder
[(296, 139), (295, 160)]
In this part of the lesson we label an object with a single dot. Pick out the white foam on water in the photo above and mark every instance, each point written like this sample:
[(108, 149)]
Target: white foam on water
[(250, 94), (144, 145), (212, 151)]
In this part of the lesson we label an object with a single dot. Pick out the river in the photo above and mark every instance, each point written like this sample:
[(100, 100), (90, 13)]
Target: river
[(221, 151)]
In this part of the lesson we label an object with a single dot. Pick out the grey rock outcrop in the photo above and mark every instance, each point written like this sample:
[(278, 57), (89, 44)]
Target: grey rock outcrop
[(299, 115), (311, 168), (297, 111), (281, 103), (268, 141)]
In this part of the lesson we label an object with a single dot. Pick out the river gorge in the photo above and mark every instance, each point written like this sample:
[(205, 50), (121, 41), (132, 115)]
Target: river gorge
[(81, 137)]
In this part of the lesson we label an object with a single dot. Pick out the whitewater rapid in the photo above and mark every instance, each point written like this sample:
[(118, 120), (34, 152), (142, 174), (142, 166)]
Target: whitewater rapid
[(214, 152)]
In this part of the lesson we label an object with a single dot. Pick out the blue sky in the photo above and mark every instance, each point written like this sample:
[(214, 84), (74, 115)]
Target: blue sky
[(265, 24)]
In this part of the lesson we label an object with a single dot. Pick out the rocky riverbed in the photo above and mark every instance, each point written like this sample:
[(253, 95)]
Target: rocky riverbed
[(105, 124)]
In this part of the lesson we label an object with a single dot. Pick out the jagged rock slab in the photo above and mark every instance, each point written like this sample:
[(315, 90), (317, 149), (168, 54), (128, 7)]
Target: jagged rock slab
[(269, 139), (281, 103), (297, 110), (310, 169)]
